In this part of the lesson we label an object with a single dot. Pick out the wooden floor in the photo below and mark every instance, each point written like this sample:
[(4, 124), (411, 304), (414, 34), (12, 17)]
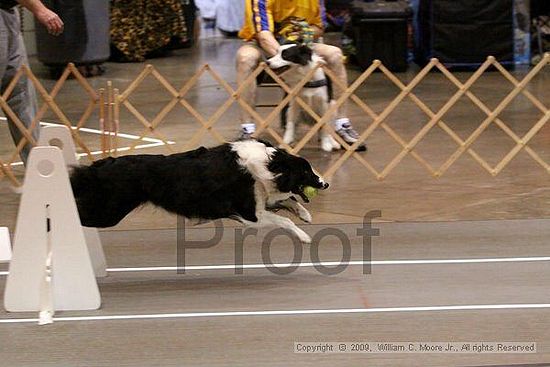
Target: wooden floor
[(465, 192), (214, 317)]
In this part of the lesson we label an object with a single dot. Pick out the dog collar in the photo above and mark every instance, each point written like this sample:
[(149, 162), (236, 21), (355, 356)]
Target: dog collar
[(316, 84)]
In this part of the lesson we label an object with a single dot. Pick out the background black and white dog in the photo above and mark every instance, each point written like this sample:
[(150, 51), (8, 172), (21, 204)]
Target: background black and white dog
[(241, 180), (301, 59)]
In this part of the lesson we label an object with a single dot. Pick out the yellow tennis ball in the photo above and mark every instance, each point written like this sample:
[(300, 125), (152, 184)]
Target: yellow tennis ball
[(310, 192)]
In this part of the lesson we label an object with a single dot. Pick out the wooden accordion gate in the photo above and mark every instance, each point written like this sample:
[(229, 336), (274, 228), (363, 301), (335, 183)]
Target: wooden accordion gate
[(107, 103)]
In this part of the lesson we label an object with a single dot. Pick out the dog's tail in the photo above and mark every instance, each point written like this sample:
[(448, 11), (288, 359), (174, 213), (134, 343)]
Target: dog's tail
[(106, 191)]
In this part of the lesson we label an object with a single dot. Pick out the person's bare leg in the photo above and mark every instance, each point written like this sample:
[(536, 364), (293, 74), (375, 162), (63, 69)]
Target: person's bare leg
[(335, 62), (248, 58)]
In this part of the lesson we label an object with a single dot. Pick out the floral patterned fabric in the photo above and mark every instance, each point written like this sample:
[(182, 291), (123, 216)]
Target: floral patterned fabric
[(139, 27)]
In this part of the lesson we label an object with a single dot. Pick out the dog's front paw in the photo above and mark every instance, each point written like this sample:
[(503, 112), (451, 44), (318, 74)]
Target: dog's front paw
[(288, 138), (328, 144), (335, 144), (304, 215), (302, 236)]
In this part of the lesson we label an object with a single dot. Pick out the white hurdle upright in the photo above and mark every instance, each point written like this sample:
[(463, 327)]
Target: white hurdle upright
[(60, 136), (51, 268), (5, 245)]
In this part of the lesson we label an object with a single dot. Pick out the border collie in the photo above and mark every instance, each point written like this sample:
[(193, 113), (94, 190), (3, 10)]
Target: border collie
[(301, 59), (244, 180)]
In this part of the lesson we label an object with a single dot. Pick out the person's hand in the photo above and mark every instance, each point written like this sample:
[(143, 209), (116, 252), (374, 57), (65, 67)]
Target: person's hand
[(50, 20)]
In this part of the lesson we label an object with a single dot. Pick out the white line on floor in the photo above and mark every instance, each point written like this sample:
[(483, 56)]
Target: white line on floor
[(334, 263), (288, 312), (99, 132), (329, 263), (154, 142), (98, 152)]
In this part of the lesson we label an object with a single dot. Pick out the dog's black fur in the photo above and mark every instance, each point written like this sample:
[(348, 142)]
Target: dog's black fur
[(203, 183), (300, 54)]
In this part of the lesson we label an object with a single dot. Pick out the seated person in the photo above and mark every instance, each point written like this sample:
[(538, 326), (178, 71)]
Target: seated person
[(263, 20)]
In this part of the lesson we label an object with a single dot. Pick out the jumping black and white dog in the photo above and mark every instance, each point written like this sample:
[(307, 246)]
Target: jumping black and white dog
[(243, 180), (301, 59)]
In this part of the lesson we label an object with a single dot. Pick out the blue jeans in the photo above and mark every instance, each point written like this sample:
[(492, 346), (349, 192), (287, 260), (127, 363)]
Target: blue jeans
[(22, 100)]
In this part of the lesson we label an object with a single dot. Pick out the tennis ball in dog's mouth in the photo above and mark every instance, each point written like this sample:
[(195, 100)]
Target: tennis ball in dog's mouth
[(310, 192)]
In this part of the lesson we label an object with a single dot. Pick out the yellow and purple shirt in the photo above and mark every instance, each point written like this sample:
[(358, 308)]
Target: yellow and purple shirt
[(268, 15)]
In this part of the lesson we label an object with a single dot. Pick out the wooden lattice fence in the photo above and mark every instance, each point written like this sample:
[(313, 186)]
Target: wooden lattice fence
[(108, 103)]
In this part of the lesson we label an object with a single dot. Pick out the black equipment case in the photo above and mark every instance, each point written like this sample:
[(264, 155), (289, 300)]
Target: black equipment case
[(380, 31), (463, 33)]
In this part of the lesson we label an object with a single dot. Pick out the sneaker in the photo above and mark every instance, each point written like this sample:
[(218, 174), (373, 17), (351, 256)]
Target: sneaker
[(350, 136)]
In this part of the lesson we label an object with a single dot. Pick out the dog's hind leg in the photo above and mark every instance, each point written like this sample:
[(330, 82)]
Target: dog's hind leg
[(328, 143), (102, 200), (105, 212), (290, 129)]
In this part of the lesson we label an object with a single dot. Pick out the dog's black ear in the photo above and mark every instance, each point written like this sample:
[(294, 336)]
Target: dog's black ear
[(286, 178), (299, 54), (266, 143), (304, 56), (278, 161)]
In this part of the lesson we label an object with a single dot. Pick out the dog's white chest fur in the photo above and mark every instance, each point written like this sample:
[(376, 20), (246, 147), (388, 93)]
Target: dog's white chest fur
[(255, 156)]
